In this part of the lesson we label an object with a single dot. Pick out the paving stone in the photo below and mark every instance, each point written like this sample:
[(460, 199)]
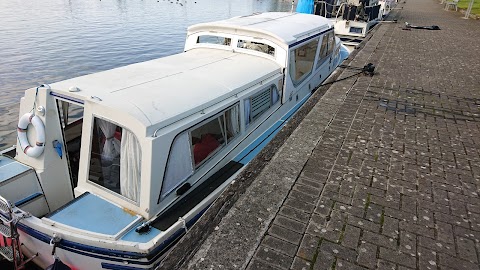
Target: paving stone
[(466, 249), (285, 234), (444, 232), (363, 224), (345, 265), (290, 224), (338, 251), (260, 264), (294, 214), (448, 261), (379, 240), (300, 205), (427, 259), (273, 257), (397, 257), (280, 245), (390, 227), (386, 265), (367, 255), (300, 264), (417, 229), (308, 247), (324, 261), (438, 246), (351, 237)]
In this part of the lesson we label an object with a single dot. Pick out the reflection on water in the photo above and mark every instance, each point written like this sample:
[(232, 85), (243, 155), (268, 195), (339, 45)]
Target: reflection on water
[(52, 40)]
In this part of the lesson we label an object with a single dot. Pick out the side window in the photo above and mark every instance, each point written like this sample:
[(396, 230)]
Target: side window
[(207, 139), (214, 40), (179, 165), (69, 112), (327, 46), (193, 147), (115, 159), (301, 61), (259, 103), (331, 43), (256, 46)]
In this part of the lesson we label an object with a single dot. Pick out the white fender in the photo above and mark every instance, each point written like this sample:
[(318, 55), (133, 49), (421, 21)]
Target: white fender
[(25, 120)]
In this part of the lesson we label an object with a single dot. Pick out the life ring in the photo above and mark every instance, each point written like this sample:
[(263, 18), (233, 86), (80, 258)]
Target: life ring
[(25, 120)]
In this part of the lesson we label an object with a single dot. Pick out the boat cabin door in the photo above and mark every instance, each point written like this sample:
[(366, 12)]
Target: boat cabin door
[(71, 121)]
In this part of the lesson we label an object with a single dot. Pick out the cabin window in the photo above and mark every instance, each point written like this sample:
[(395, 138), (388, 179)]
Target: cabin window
[(328, 44), (69, 112), (211, 39), (259, 103), (256, 46), (115, 159), (301, 61), (193, 147)]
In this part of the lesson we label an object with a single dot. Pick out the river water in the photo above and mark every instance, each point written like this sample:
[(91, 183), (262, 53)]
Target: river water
[(51, 40)]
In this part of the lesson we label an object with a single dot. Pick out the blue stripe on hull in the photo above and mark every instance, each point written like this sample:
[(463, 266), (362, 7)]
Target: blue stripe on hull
[(256, 146), (131, 258)]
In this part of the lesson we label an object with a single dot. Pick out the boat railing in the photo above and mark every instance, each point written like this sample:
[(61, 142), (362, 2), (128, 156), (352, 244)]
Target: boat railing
[(10, 249)]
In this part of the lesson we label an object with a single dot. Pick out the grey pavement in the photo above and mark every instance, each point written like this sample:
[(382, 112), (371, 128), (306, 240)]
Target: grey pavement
[(382, 173)]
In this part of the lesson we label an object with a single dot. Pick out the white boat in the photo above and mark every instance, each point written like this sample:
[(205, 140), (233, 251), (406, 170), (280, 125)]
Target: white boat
[(110, 169), (353, 19)]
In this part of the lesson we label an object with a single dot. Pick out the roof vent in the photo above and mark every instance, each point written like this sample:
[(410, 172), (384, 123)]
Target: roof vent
[(73, 89)]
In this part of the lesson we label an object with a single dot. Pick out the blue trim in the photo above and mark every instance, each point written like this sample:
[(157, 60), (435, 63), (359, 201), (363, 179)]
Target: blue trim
[(29, 198), (118, 267), (75, 100), (256, 146), (308, 38), (120, 256), (295, 108)]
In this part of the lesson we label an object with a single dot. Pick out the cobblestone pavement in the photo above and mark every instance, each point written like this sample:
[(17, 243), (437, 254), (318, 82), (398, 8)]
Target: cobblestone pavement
[(393, 178)]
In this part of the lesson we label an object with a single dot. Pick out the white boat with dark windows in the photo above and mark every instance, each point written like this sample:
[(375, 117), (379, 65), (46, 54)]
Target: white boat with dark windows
[(110, 169), (353, 19)]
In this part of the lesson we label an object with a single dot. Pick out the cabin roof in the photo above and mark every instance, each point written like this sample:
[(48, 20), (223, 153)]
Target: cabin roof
[(173, 87), (287, 27)]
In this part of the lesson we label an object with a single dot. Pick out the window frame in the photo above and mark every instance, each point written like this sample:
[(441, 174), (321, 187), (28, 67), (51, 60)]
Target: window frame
[(326, 40), (205, 160), (293, 62), (271, 87), (88, 161)]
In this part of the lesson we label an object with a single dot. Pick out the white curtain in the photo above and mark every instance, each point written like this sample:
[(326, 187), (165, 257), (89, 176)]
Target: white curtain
[(111, 146), (130, 166), (247, 112), (179, 165), (234, 124)]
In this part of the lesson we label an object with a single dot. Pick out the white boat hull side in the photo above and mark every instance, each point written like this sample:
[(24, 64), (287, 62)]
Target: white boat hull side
[(78, 260)]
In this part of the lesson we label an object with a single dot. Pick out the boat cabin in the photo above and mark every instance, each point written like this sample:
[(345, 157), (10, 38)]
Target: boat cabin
[(141, 136)]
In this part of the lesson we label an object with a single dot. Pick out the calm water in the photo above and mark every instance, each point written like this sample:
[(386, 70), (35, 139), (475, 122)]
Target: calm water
[(44, 41)]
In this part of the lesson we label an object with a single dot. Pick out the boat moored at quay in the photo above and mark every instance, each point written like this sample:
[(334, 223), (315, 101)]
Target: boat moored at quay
[(111, 168)]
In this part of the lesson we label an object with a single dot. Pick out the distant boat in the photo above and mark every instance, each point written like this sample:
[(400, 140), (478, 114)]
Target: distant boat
[(352, 19), (111, 169)]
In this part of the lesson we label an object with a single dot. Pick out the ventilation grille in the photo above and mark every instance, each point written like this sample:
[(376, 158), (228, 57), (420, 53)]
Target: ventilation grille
[(261, 103)]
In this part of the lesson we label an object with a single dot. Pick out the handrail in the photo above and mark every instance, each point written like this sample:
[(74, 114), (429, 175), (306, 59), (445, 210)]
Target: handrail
[(6, 207)]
